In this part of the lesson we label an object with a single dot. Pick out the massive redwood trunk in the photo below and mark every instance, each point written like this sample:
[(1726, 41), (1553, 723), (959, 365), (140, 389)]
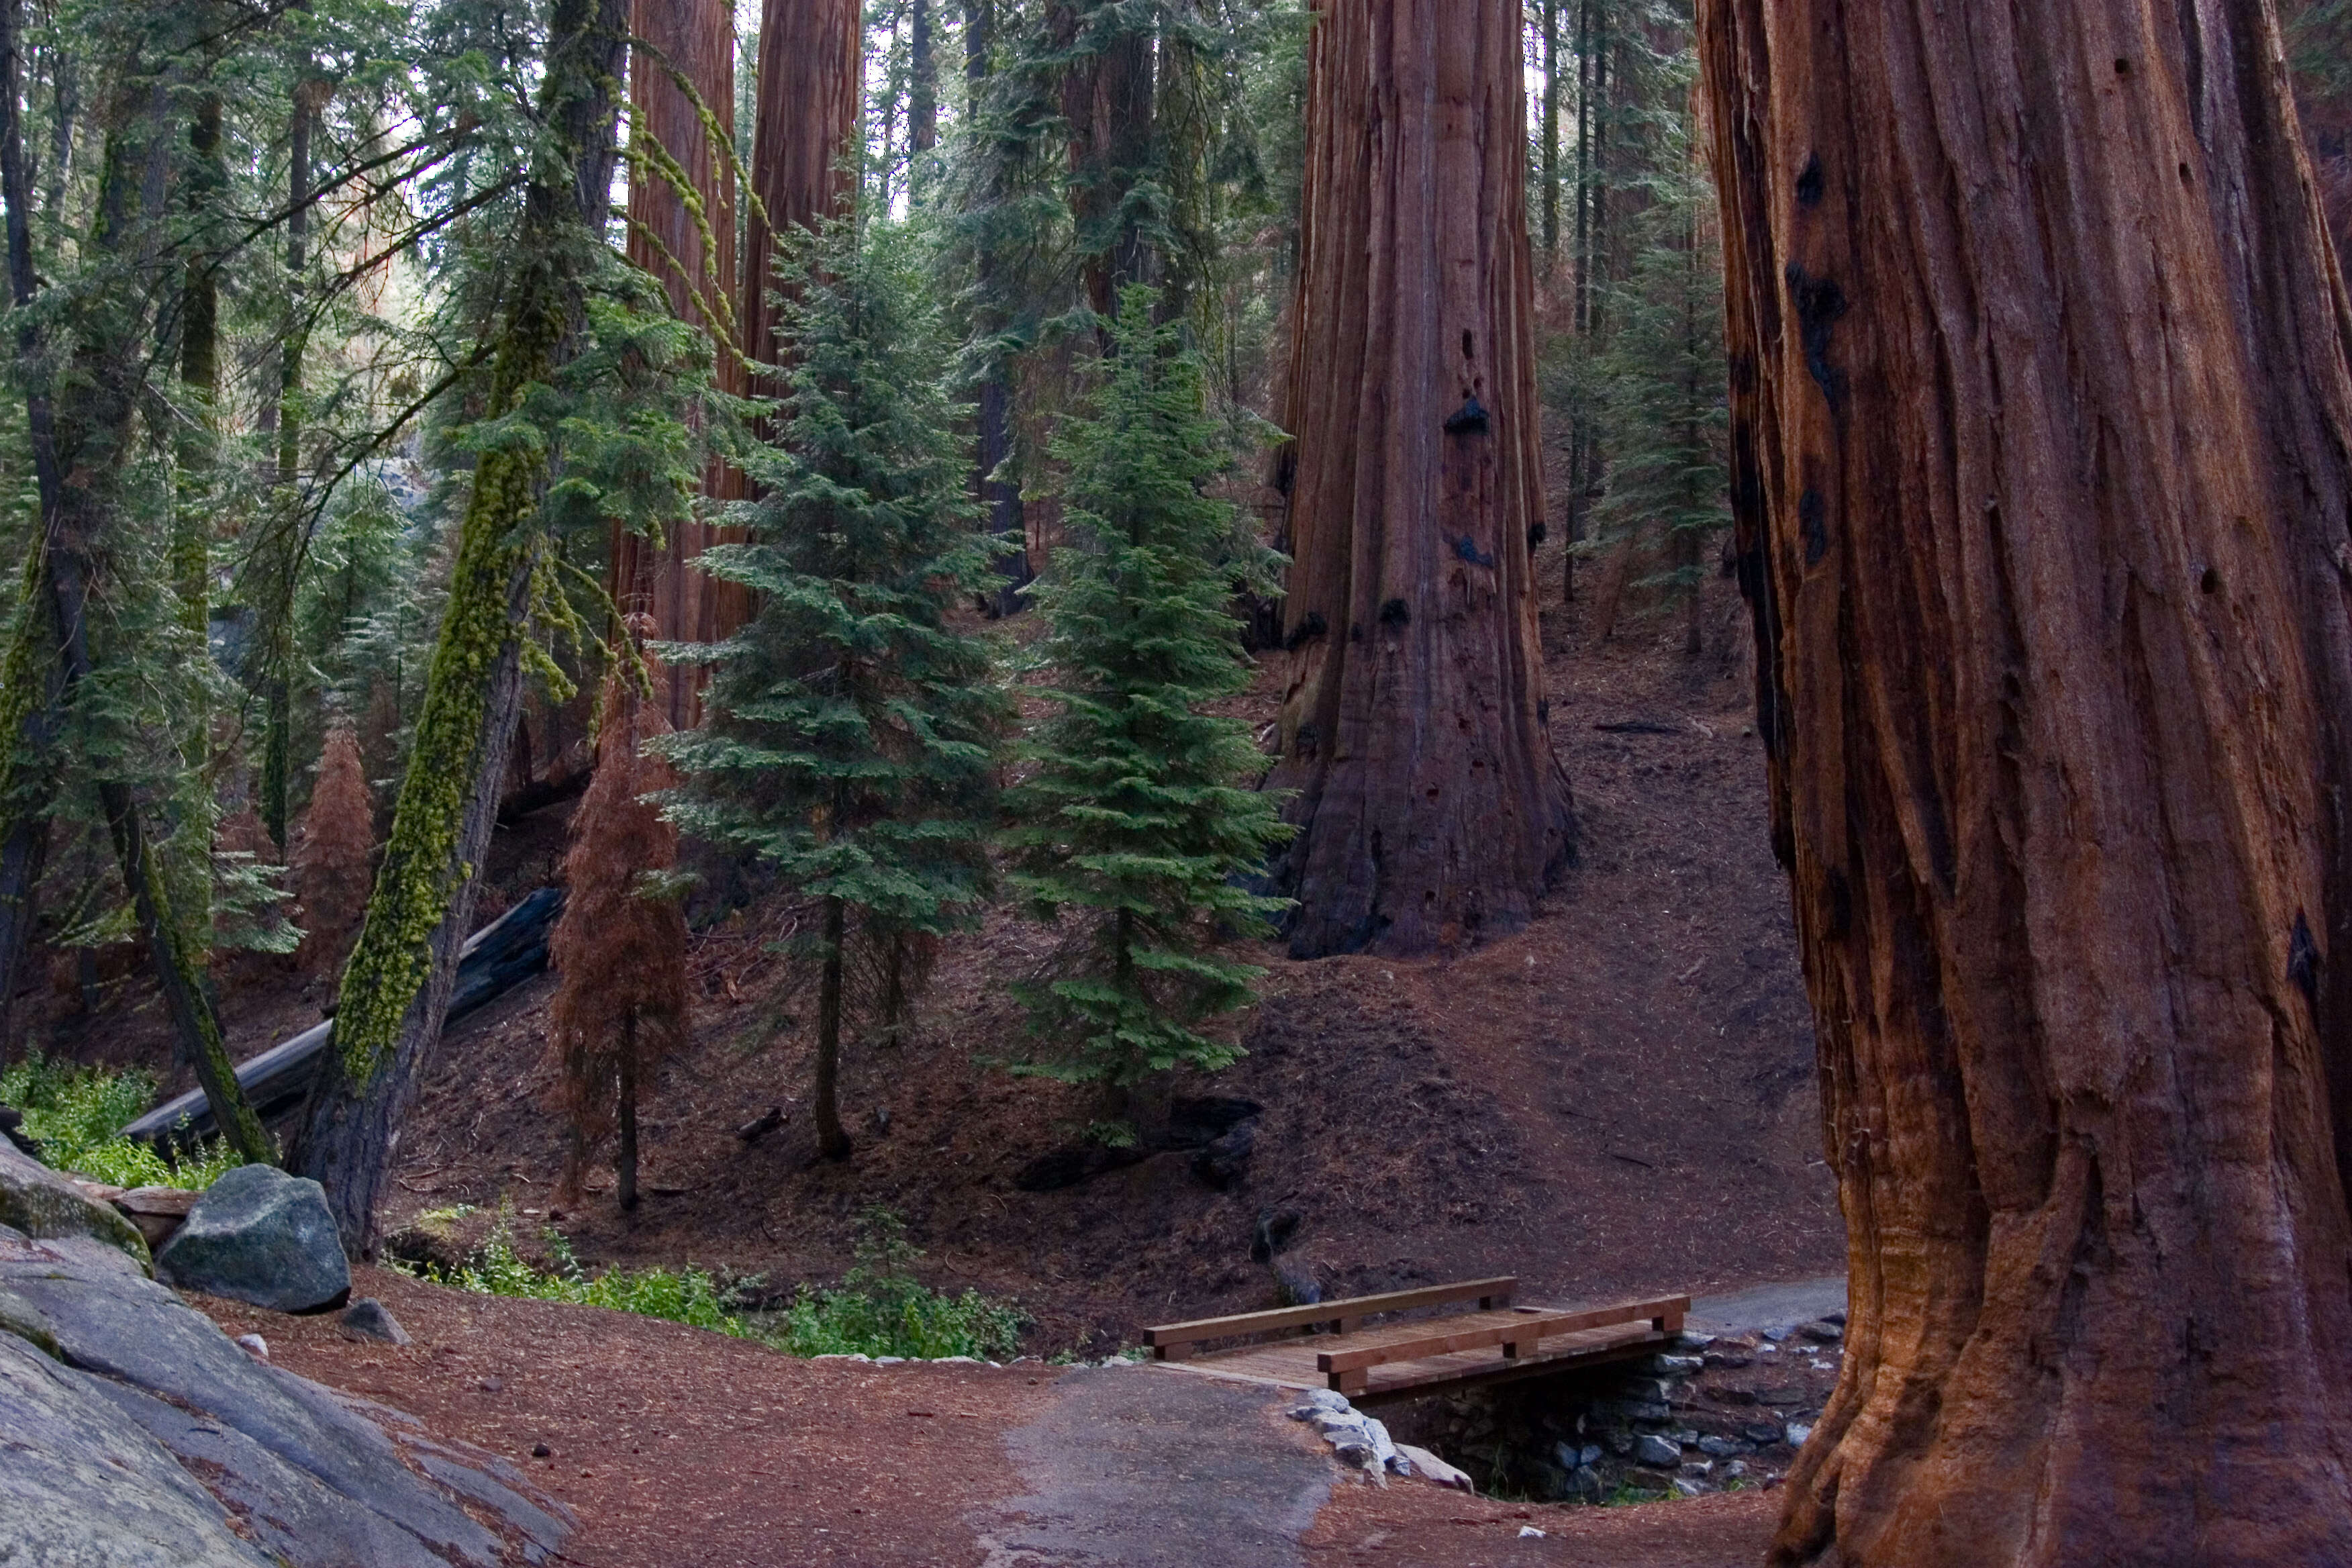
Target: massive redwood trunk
[(812, 73), (1431, 808), (2041, 427), (695, 40)]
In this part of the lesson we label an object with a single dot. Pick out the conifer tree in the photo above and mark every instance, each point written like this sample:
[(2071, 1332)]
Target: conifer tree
[(1662, 403), (1140, 820), (849, 730), (331, 854), (620, 948)]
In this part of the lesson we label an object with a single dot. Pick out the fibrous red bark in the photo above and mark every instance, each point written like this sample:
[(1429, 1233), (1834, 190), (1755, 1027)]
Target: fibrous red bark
[(695, 39), (811, 72), (2042, 464), (1431, 808)]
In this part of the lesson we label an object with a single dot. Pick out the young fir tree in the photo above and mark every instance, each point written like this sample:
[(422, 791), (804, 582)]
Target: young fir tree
[(850, 729), (331, 854), (1140, 818), (620, 1004)]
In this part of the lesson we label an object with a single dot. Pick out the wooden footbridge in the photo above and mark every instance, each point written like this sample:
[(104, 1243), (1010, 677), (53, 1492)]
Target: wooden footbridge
[(1433, 1342)]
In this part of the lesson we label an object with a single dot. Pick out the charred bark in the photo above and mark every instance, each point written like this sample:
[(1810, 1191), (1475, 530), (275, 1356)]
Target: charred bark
[(2041, 462), (1431, 809)]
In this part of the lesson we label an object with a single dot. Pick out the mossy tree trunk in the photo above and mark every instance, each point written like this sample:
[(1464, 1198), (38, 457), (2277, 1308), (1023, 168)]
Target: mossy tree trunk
[(81, 437), (396, 986), (2042, 436)]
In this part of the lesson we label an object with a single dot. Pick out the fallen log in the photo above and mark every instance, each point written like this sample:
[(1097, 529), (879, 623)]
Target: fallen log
[(495, 959)]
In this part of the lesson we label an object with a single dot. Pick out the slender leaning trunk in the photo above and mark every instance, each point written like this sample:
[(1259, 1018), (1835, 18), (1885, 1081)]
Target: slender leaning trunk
[(396, 987), (2041, 467)]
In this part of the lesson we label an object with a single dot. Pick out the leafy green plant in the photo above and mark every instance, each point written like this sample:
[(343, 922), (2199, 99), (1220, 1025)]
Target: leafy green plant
[(687, 1295), (74, 1114), (880, 1308)]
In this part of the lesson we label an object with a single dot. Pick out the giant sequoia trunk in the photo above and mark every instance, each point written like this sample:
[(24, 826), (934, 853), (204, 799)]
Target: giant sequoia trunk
[(2041, 427), (695, 40), (811, 72), (1431, 808)]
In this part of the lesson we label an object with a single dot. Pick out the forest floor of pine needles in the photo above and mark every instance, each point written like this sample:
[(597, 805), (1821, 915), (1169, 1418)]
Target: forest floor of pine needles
[(676, 1446)]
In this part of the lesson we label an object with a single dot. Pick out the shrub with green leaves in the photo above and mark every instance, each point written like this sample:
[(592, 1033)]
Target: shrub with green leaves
[(1140, 824), (687, 1295), (74, 1114), (880, 1308)]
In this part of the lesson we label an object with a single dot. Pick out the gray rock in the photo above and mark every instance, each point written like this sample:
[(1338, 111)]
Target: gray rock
[(1652, 1449), (258, 1235), (211, 1404), (1721, 1447), (22, 1318), (40, 1205), (369, 1319), (1586, 1482), (1679, 1364), (1730, 1361), (1823, 1333), (290, 1512), (1319, 1399), (1798, 1433), (86, 1488), (1690, 1488), (1767, 1435)]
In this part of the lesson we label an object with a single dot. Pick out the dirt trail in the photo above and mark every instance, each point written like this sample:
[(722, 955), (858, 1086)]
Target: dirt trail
[(678, 1446)]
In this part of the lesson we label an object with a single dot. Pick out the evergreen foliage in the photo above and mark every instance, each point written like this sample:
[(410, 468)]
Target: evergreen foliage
[(851, 729), (1663, 403), (621, 1003), (1138, 827)]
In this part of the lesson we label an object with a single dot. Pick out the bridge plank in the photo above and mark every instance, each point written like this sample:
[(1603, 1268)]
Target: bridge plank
[(1165, 1337)]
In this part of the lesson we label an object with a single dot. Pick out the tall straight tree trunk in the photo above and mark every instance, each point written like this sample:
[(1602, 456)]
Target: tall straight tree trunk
[(202, 183), (1431, 809), (396, 986), (697, 39), (805, 126), (922, 81), (994, 413), (278, 697), (1107, 98), (1547, 135), (2041, 467), (831, 1141)]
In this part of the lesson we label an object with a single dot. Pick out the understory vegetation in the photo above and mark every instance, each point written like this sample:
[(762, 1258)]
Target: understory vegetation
[(880, 1308), (74, 1113)]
